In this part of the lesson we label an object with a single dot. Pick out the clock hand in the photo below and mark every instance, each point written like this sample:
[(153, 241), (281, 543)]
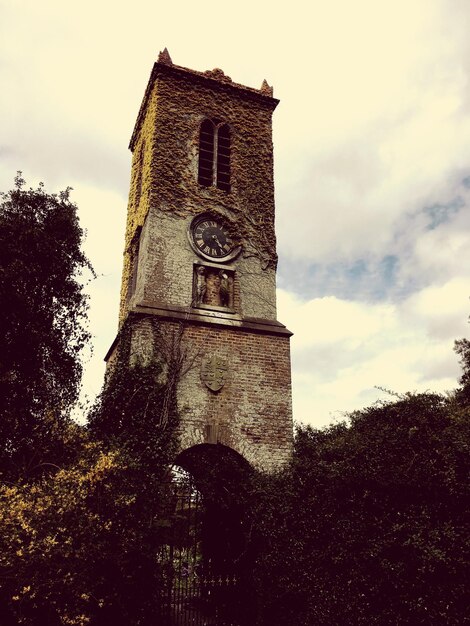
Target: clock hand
[(216, 240)]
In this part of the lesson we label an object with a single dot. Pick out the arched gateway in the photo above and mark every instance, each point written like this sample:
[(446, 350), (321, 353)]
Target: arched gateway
[(200, 272)]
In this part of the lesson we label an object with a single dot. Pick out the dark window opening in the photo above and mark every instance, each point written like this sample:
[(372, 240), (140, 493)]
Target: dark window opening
[(214, 155), (134, 262), (223, 158), (206, 154)]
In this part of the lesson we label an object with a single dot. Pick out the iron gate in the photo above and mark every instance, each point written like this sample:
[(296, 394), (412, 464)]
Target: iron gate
[(198, 592)]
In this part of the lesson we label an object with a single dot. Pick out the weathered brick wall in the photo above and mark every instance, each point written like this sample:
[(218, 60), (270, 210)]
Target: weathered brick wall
[(252, 412)]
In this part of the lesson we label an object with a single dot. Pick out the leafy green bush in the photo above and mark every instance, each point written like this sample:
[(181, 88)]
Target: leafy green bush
[(367, 525)]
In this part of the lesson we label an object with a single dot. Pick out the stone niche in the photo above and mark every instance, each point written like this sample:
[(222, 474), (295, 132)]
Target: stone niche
[(213, 287)]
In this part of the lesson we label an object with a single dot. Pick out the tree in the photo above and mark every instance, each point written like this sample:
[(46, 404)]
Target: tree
[(83, 546), (462, 348), (135, 417), (80, 544), (367, 525), (41, 324)]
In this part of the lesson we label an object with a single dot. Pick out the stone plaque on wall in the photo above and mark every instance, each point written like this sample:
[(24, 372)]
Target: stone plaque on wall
[(214, 372)]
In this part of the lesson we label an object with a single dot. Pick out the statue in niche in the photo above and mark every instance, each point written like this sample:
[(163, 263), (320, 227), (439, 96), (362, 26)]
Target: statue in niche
[(200, 284), (213, 287), (225, 289), (216, 289)]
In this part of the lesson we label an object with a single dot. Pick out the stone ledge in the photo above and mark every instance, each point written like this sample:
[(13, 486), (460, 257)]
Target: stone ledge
[(207, 318)]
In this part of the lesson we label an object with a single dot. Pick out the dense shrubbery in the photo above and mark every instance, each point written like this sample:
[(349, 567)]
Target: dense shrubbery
[(135, 418), (368, 525), (80, 546)]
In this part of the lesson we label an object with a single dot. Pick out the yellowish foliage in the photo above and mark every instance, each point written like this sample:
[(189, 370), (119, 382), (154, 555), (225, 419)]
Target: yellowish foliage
[(48, 528)]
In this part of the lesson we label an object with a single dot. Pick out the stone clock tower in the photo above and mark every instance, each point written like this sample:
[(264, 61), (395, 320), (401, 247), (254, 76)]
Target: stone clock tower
[(200, 258)]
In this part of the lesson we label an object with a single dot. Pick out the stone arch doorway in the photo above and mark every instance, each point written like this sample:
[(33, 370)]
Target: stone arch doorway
[(209, 556), (222, 477)]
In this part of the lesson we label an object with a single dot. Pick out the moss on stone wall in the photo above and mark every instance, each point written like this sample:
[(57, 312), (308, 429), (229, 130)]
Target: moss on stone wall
[(175, 104), (139, 202)]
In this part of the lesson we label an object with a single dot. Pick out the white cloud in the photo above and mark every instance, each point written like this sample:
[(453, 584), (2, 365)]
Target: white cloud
[(439, 311), (342, 351), (380, 138)]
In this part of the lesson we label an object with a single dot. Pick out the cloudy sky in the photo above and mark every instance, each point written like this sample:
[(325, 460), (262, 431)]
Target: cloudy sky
[(372, 153)]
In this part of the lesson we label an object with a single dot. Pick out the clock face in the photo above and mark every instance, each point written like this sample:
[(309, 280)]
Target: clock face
[(211, 238)]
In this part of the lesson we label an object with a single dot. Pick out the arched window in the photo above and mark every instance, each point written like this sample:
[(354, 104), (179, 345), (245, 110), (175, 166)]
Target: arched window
[(206, 154), (214, 155)]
